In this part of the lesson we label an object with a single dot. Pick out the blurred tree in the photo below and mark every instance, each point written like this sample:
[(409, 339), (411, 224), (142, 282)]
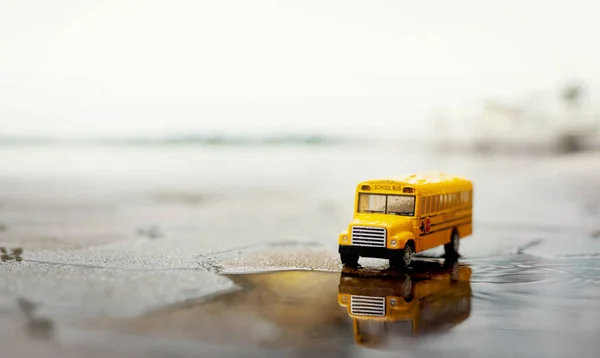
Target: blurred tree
[(572, 93), (570, 138)]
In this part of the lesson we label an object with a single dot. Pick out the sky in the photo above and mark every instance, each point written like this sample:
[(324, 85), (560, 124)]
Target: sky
[(144, 67)]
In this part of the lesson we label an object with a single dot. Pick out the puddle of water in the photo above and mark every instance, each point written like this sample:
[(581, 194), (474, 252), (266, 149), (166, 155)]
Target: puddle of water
[(432, 308), (297, 310)]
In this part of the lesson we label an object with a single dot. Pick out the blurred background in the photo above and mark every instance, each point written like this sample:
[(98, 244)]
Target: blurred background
[(191, 98), (152, 143), (463, 73)]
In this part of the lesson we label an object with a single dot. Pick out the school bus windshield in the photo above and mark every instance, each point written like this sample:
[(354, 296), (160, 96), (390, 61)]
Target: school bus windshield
[(386, 204)]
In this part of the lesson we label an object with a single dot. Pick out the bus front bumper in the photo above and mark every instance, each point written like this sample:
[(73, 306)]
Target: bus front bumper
[(365, 251)]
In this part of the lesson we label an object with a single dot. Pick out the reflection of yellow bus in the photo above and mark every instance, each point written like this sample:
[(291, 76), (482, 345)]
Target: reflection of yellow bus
[(385, 309), (394, 218)]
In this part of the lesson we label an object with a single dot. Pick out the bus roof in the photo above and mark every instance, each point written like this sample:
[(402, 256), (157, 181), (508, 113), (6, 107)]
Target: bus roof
[(424, 183)]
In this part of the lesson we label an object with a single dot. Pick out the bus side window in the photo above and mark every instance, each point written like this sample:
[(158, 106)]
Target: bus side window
[(425, 205)]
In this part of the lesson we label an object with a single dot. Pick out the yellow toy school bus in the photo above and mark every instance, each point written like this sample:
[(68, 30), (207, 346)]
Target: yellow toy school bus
[(385, 310), (394, 218)]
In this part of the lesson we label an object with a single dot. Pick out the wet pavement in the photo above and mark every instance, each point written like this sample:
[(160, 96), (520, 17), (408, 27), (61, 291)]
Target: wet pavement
[(175, 260), (514, 306)]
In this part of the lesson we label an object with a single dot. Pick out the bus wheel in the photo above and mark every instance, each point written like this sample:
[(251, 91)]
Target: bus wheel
[(451, 248), (350, 260), (408, 289), (455, 272), (404, 258), (407, 255)]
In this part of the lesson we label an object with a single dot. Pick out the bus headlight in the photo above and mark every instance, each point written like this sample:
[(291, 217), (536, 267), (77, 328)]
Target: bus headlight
[(344, 238), (393, 243), (393, 302)]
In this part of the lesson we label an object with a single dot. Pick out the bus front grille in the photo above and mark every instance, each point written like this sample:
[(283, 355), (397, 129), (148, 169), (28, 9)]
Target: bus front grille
[(368, 236), (367, 305)]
